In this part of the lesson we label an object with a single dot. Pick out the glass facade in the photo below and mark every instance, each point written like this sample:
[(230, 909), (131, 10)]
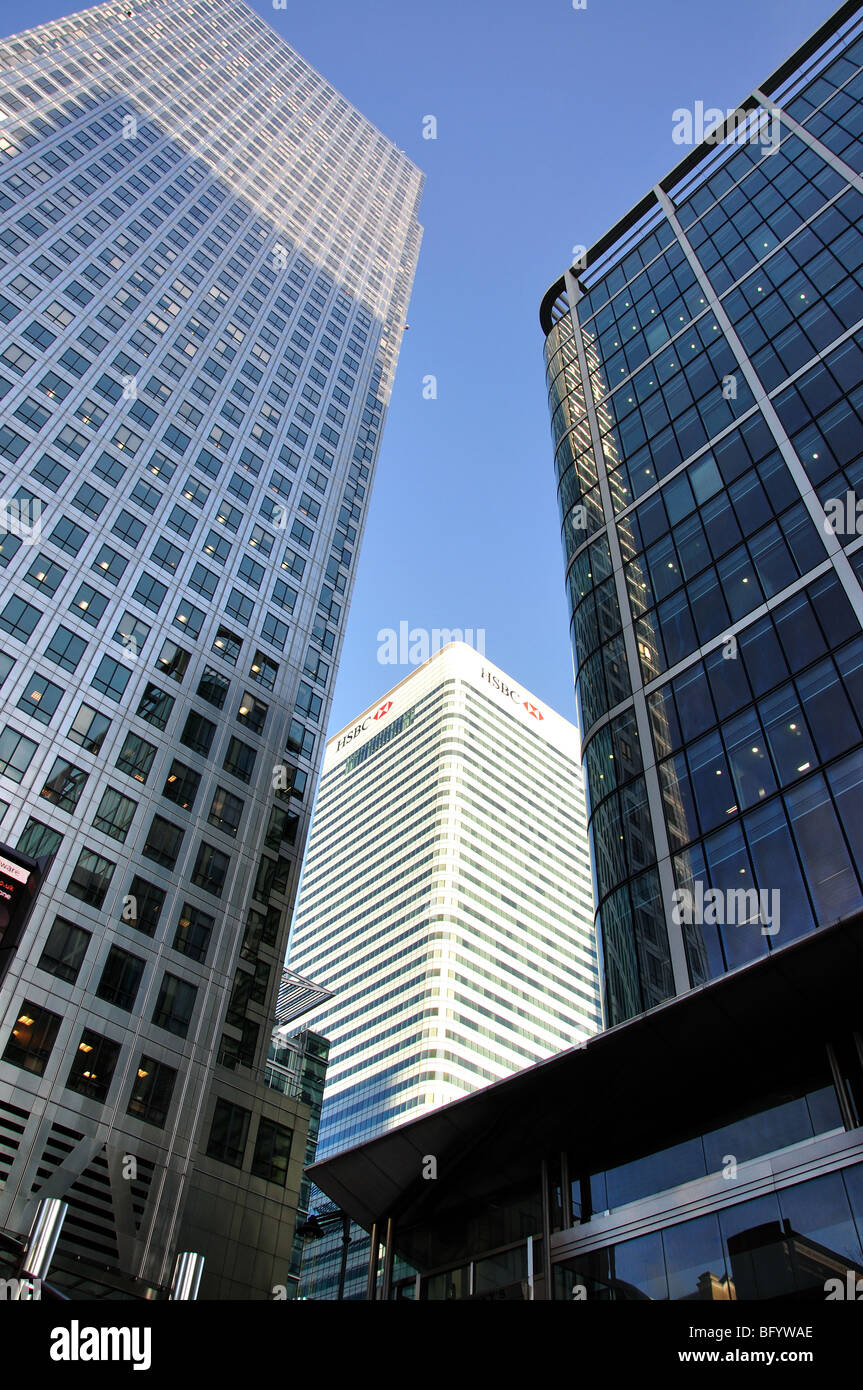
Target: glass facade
[(202, 310), (705, 375), (783, 1246), (742, 1180)]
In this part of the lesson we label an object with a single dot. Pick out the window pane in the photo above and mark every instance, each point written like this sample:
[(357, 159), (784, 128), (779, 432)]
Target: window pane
[(181, 785), (163, 842), (93, 1066), (818, 1212), (228, 1133), (227, 644), (172, 661), (142, 905), (211, 867), (198, 733), (272, 1152), (38, 839), (64, 785), (16, 753), (64, 950), (120, 978), (240, 760), (114, 814), (174, 1005), (151, 1091), (640, 1264), (91, 878), (41, 698), (32, 1038), (89, 728), (695, 1261), (757, 1262), (654, 1173), (136, 757), (155, 706), (192, 936), (226, 811), (826, 862), (213, 687)]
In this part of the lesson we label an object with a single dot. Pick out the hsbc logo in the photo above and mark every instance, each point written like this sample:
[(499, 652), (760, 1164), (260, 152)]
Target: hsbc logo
[(509, 692), (380, 713)]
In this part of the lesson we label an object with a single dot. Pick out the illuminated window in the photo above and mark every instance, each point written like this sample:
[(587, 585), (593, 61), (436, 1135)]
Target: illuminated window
[(32, 1038)]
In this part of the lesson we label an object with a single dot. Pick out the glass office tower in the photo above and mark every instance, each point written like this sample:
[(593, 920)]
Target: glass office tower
[(446, 902), (205, 259), (705, 371)]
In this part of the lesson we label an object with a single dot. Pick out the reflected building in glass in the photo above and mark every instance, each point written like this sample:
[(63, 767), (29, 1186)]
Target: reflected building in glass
[(705, 371)]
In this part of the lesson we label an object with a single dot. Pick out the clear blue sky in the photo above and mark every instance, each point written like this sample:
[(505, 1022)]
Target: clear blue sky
[(551, 123)]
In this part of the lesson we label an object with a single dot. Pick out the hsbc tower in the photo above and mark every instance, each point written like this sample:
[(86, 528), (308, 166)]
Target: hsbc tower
[(446, 902)]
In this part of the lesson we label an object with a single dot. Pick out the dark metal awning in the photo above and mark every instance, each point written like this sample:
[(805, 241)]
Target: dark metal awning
[(652, 1079)]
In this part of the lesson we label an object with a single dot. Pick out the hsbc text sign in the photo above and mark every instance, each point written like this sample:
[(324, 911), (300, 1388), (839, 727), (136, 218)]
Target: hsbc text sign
[(380, 713), (509, 692)]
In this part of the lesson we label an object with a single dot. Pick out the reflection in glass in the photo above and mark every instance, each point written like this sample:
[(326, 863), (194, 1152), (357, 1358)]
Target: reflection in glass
[(695, 1261), (826, 862)]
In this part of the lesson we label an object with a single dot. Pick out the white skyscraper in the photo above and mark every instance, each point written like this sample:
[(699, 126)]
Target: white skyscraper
[(205, 259), (446, 897)]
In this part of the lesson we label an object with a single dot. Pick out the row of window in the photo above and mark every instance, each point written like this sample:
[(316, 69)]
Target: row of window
[(286, 597), (31, 1042), (155, 706), (804, 177), (42, 696), (805, 296), (629, 278), (205, 306), (825, 105), (300, 737), (111, 565), (801, 848), (67, 945), (279, 76), (302, 536), (135, 755), (39, 840), (783, 190), (201, 210), (65, 782), (92, 874), (777, 1247)]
